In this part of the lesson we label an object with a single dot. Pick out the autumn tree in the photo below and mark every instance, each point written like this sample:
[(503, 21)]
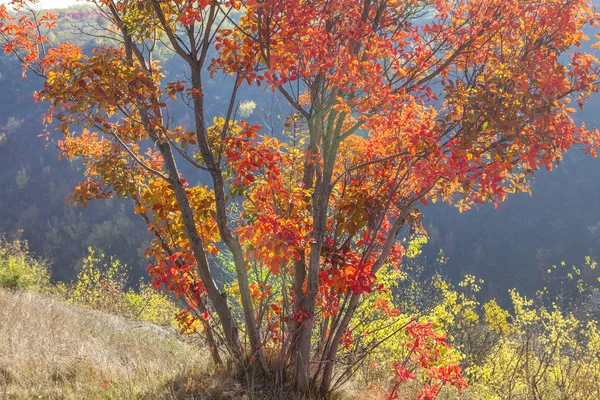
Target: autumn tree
[(395, 104)]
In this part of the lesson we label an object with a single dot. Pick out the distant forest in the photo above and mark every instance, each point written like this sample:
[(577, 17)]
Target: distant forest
[(510, 247)]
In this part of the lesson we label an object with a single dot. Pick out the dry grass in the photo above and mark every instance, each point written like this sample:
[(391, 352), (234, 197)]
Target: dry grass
[(50, 350)]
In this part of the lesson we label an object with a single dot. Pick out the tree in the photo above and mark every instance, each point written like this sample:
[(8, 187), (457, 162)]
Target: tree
[(396, 104)]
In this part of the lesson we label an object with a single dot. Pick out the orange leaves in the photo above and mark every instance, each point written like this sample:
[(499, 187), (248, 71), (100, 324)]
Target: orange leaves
[(272, 241), (520, 76), (515, 109), (247, 156), (102, 82), (158, 201), (89, 190), (187, 321), (275, 223), (185, 138), (303, 44), (22, 36), (192, 12), (172, 88)]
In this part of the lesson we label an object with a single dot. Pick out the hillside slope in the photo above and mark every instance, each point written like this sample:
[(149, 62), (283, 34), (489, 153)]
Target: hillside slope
[(52, 350)]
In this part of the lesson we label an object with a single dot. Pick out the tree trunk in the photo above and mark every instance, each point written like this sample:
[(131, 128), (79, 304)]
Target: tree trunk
[(228, 238), (210, 338), (217, 299), (320, 204), (331, 353)]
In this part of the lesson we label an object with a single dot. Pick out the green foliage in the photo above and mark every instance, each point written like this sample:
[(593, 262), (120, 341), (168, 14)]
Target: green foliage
[(101, 284), (542, 348), (542, 353), (19, 270), (150, 305)]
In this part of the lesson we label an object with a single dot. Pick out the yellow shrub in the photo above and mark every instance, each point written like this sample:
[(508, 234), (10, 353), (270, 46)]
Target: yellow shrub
[(496, 317), (151, 306), (18, 269), (101, 284), (542, 352)]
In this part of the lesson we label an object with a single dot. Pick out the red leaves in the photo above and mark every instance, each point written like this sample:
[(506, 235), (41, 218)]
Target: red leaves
[(402, 374), (424, 350), (429, 392), (425, 342), (178, 278), (347, 339), (448, 374), (348, 273), (192, 12)]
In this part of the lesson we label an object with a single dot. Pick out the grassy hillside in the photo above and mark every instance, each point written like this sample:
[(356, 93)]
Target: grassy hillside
[(93, 338), (52, 350)]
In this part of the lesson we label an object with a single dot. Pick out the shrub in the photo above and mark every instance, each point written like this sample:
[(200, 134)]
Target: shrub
[(102, 284), (19, 270), (150, 305), (544, 353), (542, 348)]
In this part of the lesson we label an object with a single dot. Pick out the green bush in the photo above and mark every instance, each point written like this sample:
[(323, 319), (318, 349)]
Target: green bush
[(19, 270), (101, 284), (150, 305)]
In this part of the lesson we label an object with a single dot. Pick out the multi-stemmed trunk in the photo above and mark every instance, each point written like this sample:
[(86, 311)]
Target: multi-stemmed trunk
[(323, 173)]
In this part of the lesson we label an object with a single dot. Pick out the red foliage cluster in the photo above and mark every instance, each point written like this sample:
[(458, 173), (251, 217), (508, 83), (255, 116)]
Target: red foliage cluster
[(424, 351)]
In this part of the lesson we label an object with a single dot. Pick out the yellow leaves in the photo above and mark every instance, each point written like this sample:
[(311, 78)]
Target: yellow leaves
[(51, 77), (158, 200), (185, 138), (591, 264), (555, 342), (415, 245), (496, 317)]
